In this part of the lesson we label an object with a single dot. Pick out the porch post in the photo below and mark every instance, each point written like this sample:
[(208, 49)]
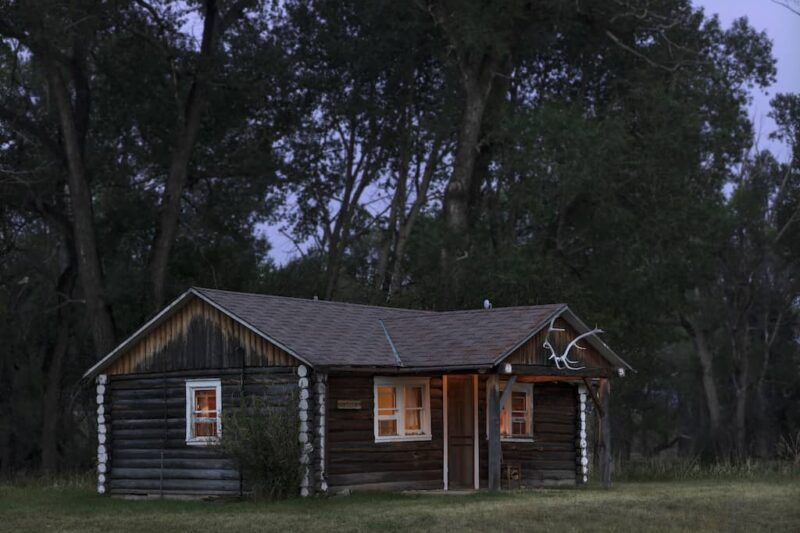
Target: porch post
[(494, 434), (605, 433)]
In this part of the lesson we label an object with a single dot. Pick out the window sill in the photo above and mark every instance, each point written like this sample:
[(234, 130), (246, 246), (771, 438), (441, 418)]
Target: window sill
[(206, 442), (414, 438), (516, 439)]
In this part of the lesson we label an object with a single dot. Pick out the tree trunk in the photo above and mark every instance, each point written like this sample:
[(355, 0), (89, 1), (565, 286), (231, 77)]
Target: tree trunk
[(742, 386), (189, 120), (457, 194), (765, 419), (407, 225), (89, 269), (52, 408), (695, 331)]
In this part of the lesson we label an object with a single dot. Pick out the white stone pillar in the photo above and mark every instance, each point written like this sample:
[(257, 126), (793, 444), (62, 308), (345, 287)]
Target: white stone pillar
[(304, 436), (103, 455), (581, 442), (320, 402)]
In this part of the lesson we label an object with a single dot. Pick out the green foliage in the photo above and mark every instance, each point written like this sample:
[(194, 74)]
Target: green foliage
[(262, 439), (614, 172)]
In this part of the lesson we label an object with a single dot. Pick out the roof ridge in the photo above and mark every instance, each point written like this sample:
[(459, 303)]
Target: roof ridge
[(327, 302), (471, 311), (391, 343)]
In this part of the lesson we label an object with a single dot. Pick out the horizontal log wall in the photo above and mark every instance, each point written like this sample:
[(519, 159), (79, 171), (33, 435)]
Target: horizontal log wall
[(354, 461), (198, 336), (533, 353), (550, 460), (148, 430)]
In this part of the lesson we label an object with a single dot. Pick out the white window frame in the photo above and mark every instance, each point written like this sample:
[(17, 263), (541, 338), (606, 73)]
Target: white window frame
[(202, 384), (527, 388), (400, 384)]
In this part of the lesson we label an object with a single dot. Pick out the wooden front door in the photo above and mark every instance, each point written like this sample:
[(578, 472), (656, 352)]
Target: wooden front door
[(460, 432)]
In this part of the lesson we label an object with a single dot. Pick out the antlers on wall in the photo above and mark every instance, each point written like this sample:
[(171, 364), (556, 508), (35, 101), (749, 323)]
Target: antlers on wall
[(562, 361)]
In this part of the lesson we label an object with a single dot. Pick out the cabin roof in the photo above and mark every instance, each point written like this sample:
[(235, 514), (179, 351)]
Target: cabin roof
[(336, 334)]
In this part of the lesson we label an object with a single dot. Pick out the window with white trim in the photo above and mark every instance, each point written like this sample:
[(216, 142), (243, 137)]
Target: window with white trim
[(402, 408), (516, 414), (203, 411)]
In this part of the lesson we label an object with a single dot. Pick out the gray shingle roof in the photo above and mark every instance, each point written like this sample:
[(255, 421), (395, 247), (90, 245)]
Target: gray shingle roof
[(326, 334), (321, 332), (465, 338)]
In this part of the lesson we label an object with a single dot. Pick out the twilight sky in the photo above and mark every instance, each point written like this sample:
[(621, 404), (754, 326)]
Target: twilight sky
[(782, 26)]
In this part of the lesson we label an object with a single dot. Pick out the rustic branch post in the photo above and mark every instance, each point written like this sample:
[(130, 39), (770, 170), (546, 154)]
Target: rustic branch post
[(494, 435), (605, 433), (495, 447)]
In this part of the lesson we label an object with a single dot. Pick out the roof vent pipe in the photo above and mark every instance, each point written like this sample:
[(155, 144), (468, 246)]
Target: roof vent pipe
[(487, 304)]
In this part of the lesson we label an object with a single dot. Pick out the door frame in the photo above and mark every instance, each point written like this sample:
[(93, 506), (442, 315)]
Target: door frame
[(475, 439)]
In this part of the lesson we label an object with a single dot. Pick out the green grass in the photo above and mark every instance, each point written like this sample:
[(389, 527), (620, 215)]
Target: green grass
[(647, 506)]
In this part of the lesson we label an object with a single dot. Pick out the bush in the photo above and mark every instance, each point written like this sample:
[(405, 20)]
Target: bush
[(262, 438)]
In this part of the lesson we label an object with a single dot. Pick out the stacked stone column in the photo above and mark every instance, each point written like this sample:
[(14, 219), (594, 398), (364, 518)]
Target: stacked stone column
[(581, 442), (320, 400), (102, 434), (305, 436)]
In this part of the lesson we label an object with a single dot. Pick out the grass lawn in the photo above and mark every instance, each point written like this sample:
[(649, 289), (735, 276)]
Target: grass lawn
[(663, 506)]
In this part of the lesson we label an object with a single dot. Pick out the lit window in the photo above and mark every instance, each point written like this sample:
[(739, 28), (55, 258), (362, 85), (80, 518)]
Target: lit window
[(203, 410), (402, 409), (516, 415)]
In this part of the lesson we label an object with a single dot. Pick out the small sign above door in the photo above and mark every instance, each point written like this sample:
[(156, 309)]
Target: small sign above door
[(348, 404)]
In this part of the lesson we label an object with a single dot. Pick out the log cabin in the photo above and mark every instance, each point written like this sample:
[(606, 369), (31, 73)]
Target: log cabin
[(386, 398)]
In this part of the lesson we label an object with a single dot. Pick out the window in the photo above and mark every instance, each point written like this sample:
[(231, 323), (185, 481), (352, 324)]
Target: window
[(516, 415), (402, 409), (203, 410)]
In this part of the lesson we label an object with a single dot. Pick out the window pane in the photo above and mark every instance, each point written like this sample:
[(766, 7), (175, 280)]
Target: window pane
[(205, 401), (387, 428), (413, 421), (520, 426), (387, 398), (414, 397), (519, 401), (205, 429)]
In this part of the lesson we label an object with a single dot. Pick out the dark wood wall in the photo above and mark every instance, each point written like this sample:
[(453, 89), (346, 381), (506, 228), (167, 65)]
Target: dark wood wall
[(147, 441), (533, 353), (550, 459), (355, 461), (199, 336)]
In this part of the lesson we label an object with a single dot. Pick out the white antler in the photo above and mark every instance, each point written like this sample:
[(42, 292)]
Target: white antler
[(562, 361)]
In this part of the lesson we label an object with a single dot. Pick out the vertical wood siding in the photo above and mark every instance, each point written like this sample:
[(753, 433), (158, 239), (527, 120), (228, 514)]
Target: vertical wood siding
[(532, 352), (199, 336), (355, 461), (148, 431)]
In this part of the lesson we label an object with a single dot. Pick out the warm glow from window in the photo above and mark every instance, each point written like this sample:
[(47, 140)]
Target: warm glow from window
[(414, 410), (516, 415), (203, 406), (205, 413), (402, 408)]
